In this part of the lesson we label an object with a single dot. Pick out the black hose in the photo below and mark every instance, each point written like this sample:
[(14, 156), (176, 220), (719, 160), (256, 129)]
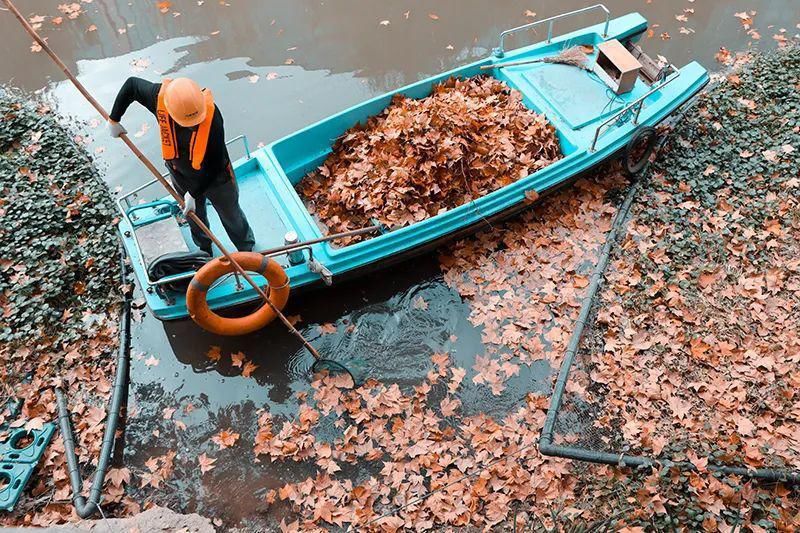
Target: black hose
[(583, 318), (83, 507), (637, 461)]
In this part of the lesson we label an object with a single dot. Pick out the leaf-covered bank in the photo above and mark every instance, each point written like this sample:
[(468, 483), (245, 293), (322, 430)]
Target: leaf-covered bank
[(701, 308), (58, 244), (59, 281), (695, 354)]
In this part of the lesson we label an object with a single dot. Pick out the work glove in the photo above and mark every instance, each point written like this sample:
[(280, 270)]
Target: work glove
[(188, 204), (116, 129)]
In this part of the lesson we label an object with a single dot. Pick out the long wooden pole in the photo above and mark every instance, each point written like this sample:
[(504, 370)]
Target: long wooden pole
[(513, 64), (167, 185)]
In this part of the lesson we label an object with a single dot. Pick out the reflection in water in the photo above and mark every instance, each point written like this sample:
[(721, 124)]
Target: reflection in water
[(410, 326)]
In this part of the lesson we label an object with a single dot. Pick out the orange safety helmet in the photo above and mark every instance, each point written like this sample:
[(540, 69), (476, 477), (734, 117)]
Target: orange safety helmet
[(185, 102)]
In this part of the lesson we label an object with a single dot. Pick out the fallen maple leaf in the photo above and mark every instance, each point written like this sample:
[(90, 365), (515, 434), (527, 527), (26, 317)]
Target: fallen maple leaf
[(744, 426), (225, 438), (327, 328), (248, 369), (118, 476), (36, 423), (206, 463), (237, 359), (449, 406), (531, 195), (458, 377), (214, 353), (419, 303), (700, 463)]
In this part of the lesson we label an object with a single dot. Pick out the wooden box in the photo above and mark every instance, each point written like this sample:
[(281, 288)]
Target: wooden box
[(616, 66)]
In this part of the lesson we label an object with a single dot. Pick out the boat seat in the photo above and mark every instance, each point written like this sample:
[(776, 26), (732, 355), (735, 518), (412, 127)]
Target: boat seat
[(173, 263)]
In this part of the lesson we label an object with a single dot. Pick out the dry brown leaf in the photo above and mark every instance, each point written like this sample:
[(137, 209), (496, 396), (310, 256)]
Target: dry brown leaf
[(206, 463), (238, 359), (225, 438), (248, 369)]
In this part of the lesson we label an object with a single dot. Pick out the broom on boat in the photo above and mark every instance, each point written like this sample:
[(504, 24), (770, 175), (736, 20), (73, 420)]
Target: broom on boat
[(574, 56)]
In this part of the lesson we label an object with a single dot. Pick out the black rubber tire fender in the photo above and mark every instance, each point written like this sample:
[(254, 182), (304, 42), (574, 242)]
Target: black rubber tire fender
[(644, 134)]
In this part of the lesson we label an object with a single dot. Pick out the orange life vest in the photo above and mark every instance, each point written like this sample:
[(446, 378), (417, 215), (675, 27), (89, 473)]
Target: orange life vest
[(166, 126)]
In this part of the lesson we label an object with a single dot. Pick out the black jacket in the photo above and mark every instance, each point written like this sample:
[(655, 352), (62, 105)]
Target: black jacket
[(215, 168)]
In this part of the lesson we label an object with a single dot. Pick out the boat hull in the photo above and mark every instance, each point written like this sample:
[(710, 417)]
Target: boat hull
[(270, 175)]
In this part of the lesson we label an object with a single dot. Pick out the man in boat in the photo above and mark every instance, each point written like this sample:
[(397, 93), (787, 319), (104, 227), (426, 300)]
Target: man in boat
[(193, 147)]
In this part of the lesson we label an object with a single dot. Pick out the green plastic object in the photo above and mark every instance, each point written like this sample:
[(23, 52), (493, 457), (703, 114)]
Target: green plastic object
[(13, 478), (16, 449), (20, 452)]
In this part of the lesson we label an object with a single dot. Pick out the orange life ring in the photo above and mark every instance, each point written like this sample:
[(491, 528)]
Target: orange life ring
[(197, 304)]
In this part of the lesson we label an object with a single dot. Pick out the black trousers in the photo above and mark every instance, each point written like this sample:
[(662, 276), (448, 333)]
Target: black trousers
[(225, 199)]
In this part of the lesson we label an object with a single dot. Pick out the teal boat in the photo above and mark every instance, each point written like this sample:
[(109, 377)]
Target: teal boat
[(591, 128)]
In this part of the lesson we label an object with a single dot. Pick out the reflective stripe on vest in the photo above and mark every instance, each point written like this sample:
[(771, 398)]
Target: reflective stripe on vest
[(166, 127)]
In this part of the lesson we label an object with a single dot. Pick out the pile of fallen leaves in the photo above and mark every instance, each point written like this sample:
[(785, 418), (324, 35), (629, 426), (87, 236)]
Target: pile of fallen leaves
[(59, 279), (421, 157), (524, 282)]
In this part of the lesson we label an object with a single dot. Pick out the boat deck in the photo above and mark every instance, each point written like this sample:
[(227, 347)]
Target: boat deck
[(576, 97), (260, 209)]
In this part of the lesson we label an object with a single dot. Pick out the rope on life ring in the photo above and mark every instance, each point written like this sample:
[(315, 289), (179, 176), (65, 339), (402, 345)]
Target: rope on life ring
[(196, 294)]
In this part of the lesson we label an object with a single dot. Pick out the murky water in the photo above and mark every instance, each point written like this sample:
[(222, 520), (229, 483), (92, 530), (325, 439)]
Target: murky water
[(274, 67)]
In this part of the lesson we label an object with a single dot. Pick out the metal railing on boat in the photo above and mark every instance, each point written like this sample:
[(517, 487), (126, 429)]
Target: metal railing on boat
[(314, 265), (124, 210), (638, 103), (140, 188), (501, 50)]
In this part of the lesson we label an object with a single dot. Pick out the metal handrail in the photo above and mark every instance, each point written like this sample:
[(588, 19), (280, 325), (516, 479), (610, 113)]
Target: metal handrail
[(271, 252), (638, 103), (243, 137), (140, 188), (124, 210), (500, 50), (190, 273)]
